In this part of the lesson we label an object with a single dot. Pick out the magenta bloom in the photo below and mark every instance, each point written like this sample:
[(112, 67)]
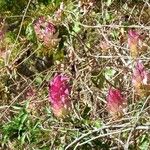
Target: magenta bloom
[(46, 32), (140, 78), (59, 92), (133, 42), (133, 37), (115, 102)]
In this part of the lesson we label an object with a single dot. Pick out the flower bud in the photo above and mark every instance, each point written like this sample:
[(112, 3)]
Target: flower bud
[(133, 43), (46, 32), (59, 92), (140, 78), (115, 102)]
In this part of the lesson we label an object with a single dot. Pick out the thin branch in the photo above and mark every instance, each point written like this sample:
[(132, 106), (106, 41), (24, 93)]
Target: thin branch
[(103, 135)]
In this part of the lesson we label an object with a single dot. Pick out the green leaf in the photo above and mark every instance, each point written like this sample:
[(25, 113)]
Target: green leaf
[(98, 78), (109, 2), (38, 80), (23, 118), (76, 27), (23, 138), (109, 73), (107, 16), (30, 34), (97, 124), (17, 107), (59, 55), (144, 146), (85, 112), (144, 143)]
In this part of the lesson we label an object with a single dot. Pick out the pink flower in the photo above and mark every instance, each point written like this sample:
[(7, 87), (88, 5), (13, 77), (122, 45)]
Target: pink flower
[(133, 42), (133, 37), (115, 102), (59, 92), (140, 78), (46, 32)]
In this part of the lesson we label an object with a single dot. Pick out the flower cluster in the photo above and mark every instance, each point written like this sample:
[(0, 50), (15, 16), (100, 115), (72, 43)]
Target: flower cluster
[(139, 74), (133, 43), (115, 102), (59, 92), (140, 78), (46, 32), (59, 89)]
